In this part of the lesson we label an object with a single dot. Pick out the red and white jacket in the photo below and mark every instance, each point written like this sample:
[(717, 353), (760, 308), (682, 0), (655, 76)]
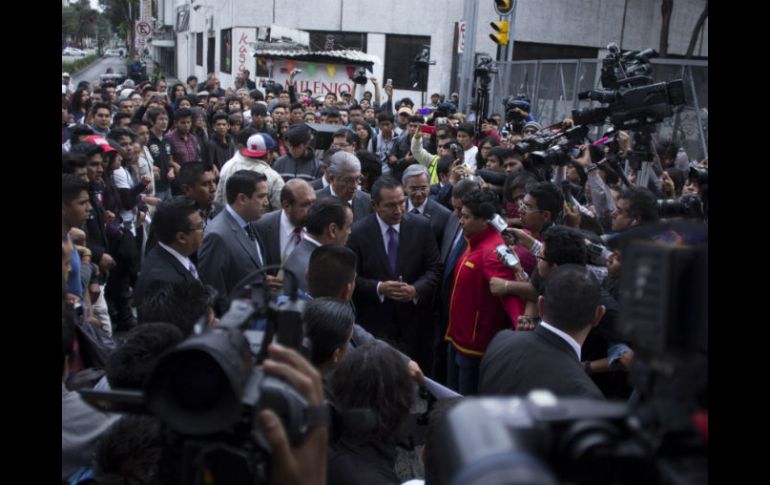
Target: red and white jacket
[(475, 315)]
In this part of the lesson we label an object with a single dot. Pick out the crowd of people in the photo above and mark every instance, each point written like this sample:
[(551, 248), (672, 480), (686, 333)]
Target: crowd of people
[(424, 246)]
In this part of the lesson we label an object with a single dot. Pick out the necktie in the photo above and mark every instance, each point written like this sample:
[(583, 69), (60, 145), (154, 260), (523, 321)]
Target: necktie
[(415, 211), (392, 248), (297, 235), (193, 271), (454, 255), (250, 232)]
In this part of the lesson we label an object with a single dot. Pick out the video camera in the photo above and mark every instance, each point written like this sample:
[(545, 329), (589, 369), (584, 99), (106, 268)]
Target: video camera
[(514, 117), (271, 86), (542, 439), (208, 391), (557, 149), (688, 206), (359, 76), (634, 99)]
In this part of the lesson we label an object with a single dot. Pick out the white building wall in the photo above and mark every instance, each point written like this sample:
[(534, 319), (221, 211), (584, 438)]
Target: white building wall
[(590, 23)]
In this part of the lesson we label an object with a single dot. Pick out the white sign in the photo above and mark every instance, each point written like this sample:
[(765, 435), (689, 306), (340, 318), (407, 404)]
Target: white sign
[(460, 37), (143, 29), (319, 77)]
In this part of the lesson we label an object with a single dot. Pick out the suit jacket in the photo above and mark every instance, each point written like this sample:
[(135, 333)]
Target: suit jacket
[(417, 262), (298, 261), (160, 265), (362, 202), (442, 195), (269, 230), (438, 217), (516, 363), (317, 184), (227, 254)]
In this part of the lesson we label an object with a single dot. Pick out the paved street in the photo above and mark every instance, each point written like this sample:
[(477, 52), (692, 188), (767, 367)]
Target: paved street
[(98, 68)]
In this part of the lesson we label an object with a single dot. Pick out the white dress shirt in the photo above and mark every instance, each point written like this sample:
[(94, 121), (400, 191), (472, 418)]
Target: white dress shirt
[(567, 338), (241, 222), (287, 240), (421, 208), (183, 260)]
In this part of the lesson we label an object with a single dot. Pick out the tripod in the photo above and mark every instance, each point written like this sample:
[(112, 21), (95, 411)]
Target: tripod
[(641, 157), (482, 100)]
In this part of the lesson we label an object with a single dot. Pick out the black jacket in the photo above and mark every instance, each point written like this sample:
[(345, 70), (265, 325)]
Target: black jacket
[(518, 362)]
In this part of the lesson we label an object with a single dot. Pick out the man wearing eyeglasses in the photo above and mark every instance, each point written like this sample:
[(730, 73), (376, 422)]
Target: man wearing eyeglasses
[(345, 178), (178, 225)]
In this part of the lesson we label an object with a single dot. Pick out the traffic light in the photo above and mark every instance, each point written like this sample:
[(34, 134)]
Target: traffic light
[(503, 6), (500, 37)]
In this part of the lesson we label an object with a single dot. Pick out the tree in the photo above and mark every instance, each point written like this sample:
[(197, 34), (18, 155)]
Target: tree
[(696, 30), (78, 22), (666, 8), (122, 15)]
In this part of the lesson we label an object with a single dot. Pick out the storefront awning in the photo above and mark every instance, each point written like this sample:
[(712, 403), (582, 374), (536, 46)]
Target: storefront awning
[(335, 57)]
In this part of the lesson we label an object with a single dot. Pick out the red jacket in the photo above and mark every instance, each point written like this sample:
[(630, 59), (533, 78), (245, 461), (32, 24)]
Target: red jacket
[(475, 315)]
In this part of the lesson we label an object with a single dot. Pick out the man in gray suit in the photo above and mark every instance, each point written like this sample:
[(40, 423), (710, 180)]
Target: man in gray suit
[(344, 174), (416, 185), (516, 363), (328, 222), (281, 231), (231, 248)]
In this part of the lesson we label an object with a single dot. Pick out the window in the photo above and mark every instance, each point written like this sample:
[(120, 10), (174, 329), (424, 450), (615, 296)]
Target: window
[(226, 51), (400, 51), (183, 18), (199, 49), (329, 41)]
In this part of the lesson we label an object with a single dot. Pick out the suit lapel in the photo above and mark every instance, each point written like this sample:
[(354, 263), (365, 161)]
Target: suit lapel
[(246, 243), (379, 245), (171, 260)]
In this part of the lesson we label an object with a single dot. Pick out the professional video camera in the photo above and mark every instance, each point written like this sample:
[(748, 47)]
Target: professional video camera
[(633, 97), (514, 117), (208, 391), (359, 76), (688, 206), (541, 439), (271, 86), (556, 149)]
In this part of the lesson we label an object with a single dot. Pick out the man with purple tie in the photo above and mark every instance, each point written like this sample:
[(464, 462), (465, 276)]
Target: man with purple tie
[(398, 271)]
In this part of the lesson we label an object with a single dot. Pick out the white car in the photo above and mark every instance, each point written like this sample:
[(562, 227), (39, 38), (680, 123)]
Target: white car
[(71, 51), (114, 52)]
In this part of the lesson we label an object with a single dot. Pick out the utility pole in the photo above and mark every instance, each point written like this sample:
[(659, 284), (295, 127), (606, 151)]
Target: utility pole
[(468, 58)]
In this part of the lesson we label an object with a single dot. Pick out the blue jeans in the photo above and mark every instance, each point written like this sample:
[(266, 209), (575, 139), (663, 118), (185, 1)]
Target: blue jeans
[(462, 372)]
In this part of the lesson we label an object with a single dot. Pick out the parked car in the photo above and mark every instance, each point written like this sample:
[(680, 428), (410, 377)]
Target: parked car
[(114, 52), (72, 51)]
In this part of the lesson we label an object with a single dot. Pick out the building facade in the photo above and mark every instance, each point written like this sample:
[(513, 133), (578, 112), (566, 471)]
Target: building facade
[(214, 35)]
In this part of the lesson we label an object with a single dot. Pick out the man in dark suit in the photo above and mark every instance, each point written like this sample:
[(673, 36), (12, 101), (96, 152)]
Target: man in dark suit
[(398, 271), (178, 226), (344, 174), (281, 231), (415, 180), (231, 248), (548, 357), (328, 222)]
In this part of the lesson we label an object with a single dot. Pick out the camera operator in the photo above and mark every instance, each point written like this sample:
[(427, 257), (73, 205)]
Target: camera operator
[(548, 358), (635, 206)]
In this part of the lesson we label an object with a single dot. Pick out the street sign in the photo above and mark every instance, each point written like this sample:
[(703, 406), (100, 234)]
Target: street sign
[(460, 37), (143, 29)]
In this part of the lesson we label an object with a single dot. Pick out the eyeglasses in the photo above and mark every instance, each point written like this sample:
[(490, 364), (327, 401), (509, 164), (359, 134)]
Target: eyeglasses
[(351, 180), (421, 188), (523, 206)]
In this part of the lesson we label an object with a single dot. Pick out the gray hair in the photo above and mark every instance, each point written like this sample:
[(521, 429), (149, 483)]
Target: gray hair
[(414, 171), (342, 162)]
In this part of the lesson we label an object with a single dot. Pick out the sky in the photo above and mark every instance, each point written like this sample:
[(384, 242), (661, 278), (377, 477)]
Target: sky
[(95, 5)]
